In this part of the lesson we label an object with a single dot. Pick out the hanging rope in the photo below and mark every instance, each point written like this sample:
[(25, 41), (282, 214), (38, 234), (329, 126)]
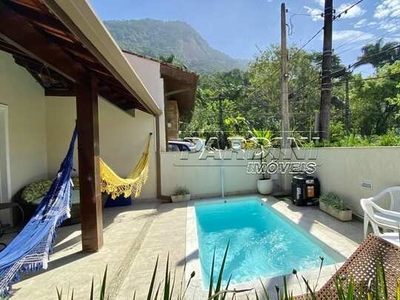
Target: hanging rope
[(115, 186)]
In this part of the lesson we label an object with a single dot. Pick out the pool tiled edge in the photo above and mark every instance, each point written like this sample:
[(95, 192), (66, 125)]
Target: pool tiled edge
[(334, 240), (192, 247)]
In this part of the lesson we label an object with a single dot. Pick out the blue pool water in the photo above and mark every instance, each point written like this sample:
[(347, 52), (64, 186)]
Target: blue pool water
[(262, 242)]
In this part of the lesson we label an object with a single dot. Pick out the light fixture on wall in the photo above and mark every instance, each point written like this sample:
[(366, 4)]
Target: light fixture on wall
[(169, 125)]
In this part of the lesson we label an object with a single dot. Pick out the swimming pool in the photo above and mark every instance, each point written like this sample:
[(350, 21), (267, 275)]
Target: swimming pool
[(262, 242)]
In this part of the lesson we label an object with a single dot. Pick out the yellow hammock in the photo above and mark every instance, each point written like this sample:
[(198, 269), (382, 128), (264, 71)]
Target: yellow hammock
[(115, 186)]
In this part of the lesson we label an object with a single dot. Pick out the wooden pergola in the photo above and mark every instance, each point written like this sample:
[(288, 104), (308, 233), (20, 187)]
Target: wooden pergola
[(62, 59), (180, 85)]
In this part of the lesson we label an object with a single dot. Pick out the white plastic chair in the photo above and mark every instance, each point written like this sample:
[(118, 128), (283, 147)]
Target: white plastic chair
[(386, 219)]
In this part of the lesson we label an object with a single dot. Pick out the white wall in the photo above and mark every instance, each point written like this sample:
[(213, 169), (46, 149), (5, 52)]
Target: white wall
[(149, 72), (122, 137), (342, 170), (27, 132), (203, 177)]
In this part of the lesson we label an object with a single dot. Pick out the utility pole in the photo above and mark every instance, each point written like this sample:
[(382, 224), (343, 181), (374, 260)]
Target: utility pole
[(326, 83), (285, 122), (347, 105), (221, 122)]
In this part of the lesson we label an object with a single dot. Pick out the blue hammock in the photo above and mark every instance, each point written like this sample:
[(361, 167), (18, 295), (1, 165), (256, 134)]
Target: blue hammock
[(30, 249)]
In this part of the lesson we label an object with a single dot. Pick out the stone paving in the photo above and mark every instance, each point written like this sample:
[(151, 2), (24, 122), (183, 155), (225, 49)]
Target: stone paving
[(136, 235)]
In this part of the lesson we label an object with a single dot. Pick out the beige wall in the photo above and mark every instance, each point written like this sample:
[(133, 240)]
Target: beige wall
[(122, 137), (342, 170), (40, 129), (149, 72), (26, 115), (203, 177)]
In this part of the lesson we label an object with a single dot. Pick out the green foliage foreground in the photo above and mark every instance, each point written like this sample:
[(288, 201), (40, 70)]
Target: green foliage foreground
[(345, 289)]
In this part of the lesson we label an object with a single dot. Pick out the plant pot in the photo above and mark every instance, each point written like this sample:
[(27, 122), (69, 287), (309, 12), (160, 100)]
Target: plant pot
[(265, 186), (323, 206), (180, 198), (342, 215)]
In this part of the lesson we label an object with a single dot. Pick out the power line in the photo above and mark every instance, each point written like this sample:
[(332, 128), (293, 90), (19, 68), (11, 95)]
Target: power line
[(322, 28), (309, 41), (356, 39), (373, 55), (379, 77), (364, 59), (345, 11), (366, 42)]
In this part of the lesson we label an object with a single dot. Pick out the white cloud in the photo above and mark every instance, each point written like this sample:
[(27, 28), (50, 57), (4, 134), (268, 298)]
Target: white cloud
[(314, 12), (387, 8), (354, 12), (346, 35), (360, 23), (390, 27)]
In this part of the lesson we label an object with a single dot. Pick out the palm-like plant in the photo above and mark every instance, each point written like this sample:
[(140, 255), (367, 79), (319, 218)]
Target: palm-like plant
[(379, 54)]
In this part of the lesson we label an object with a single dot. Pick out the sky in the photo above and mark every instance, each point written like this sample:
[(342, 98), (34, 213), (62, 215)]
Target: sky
[(241, 28)]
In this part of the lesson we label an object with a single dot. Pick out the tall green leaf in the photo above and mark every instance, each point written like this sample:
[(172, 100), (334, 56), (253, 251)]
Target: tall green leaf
[(211, 285), (221, 271), (153, 279)]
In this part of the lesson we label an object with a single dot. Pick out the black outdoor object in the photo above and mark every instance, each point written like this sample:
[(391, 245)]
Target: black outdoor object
[(305, 190)]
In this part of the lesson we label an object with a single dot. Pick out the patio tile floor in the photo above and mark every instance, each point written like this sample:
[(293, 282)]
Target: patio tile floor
[(136, 235)]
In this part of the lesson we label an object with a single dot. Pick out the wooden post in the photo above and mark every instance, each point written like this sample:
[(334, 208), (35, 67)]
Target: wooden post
[(88, 154)]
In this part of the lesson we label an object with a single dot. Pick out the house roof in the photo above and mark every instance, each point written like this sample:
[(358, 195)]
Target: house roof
[(59, 42), (179, 84)]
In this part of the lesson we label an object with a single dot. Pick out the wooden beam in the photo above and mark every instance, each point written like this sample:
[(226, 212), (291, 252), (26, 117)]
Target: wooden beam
[(176, 74), (18, 32), (36, 69), (89, 170), (38, 16), (59, 92), (10, 49), (177, 92)]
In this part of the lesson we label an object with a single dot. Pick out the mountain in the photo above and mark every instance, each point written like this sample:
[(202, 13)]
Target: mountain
[(156, 38)]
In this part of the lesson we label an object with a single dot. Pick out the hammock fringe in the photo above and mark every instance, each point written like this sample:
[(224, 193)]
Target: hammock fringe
[(115, 186), (30, 249)]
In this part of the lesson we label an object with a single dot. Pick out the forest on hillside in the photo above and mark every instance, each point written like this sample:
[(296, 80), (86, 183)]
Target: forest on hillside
[(251, 99), (157, 38)]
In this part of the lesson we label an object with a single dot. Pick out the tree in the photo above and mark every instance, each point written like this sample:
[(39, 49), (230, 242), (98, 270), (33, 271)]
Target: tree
[(376, 101), (255, 95), (230, 87), (304, 89), (378, 54), (172, 60)]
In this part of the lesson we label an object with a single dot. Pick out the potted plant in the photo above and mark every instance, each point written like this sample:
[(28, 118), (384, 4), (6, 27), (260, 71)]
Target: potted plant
[(181, 194), (263, 140), (265, 185), (333, 205)]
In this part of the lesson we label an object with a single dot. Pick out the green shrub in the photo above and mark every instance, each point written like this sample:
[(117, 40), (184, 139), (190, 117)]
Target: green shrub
[(333, 200), (180, 190), (389, 139)]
